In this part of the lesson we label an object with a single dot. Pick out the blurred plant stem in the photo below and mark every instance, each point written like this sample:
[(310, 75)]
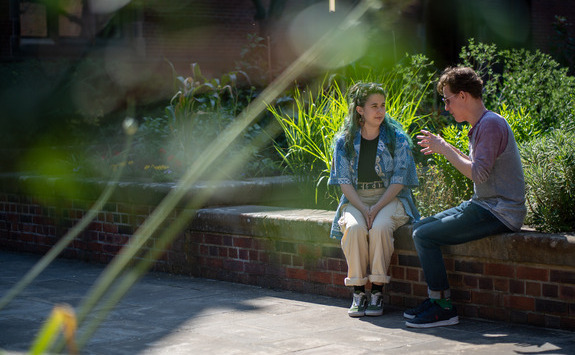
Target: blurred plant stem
[(209, 157), (71, 235)]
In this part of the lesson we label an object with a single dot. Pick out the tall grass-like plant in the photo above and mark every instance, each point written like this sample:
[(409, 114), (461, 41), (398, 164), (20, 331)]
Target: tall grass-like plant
[(549, 166), (135, 259), (309, 129), (409, 88), (311, 124)]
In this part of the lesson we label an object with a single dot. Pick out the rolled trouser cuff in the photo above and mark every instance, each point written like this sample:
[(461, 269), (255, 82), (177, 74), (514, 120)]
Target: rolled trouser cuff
[(379, 279), (355, 281), (437, 295)]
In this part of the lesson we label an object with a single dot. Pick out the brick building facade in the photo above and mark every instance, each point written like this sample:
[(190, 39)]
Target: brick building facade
[(209, 32), (214, 32)]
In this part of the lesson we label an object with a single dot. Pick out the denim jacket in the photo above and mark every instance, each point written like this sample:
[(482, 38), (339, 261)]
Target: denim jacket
[(397, 170)]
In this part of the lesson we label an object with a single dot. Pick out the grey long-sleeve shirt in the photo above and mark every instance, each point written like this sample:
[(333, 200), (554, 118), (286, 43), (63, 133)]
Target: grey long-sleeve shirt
[(496, 171)]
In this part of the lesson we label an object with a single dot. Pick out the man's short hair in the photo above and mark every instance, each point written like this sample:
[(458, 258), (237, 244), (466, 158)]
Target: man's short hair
[(461, 79)]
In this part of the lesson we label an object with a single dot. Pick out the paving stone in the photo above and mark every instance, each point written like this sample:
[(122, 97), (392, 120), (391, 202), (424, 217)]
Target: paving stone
[(174, 314)]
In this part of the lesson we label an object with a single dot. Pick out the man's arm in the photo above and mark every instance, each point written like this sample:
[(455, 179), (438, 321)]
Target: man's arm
[(432, 143)]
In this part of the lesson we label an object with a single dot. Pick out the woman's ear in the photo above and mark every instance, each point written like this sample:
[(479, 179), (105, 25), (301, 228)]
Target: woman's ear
[(359, 110)]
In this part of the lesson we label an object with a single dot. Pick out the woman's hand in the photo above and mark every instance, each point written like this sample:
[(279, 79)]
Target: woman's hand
[(368, 215), (371, 214), (431, 143), (351, 194)]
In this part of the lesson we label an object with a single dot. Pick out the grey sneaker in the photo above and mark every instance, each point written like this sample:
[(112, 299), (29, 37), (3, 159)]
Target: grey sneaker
[(358, 305), (375, 307)]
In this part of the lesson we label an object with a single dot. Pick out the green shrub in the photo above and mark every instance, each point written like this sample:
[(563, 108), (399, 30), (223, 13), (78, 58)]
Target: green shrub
[(522, 79), (522, 123), (549, 166), (460, 186), (199, 111), (434, 193)]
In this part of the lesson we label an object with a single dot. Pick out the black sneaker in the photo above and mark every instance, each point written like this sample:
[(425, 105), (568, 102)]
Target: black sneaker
[(413, 312), (434, 316)]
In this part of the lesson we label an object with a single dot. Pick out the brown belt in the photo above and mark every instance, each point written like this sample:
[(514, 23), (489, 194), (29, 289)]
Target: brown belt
[(370, 185)]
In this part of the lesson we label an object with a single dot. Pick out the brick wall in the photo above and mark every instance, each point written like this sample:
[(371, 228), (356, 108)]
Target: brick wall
[(211, 33), (526, 278)]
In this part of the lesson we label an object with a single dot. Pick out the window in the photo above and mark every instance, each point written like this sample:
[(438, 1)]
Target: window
[(33, 19), (62, 19), (70, 18)]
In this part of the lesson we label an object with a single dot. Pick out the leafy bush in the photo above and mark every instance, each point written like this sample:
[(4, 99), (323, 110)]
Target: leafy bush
[(549, 166), (202, 108), (522, 123), (522, 79), (434, 193), (460, 187), (163, 147)]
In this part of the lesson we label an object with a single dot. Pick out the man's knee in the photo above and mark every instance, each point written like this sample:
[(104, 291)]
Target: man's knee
[(417, 231), (421, 234)]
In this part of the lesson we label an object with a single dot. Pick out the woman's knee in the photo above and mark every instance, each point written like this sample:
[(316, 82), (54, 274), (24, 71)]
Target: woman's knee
[(382, 231), (356, 230)]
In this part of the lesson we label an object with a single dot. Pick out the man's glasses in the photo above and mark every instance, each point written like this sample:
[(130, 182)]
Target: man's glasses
[(446, 99)]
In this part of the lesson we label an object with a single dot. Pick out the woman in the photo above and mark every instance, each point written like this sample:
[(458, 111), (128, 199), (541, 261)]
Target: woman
[(374, 167)]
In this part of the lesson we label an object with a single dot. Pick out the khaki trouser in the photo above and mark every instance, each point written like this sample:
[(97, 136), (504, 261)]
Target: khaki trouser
[(374, 247)]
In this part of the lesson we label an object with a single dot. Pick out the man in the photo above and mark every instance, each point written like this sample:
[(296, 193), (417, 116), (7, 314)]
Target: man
[(498, 202)]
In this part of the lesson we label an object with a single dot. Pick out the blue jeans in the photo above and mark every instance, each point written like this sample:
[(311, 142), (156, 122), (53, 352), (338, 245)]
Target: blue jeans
[(457, 225)]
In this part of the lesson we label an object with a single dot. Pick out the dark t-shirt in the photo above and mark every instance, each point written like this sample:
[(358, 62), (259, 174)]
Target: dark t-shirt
[(366, 164)]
